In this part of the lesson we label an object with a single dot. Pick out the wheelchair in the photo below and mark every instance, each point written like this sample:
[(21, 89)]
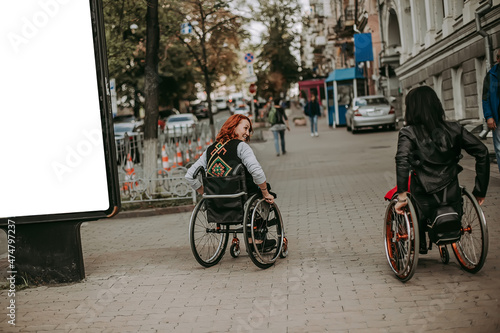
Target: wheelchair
[(227, 209), (402, 243)]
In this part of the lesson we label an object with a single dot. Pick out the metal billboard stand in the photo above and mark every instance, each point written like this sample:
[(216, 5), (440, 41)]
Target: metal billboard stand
[(46, 247)]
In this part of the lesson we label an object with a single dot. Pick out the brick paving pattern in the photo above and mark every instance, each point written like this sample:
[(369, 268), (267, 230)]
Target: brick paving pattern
[(142, 276)]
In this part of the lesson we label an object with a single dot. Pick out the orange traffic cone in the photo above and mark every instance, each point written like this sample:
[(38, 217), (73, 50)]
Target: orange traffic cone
[(198, 149), (130, 173), (187, 156), (179, 155), (164, 159)]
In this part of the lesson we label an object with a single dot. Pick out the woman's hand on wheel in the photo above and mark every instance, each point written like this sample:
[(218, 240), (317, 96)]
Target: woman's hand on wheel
[(402, 202), (268, 197), (480, 200), (399, 207)]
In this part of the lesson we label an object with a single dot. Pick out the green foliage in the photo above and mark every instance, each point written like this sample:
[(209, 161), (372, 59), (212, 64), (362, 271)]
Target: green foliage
[(126, 55), (277, 67), (125, 47), (214, 43)]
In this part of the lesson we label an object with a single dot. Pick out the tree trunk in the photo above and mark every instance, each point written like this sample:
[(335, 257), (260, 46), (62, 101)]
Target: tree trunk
[(208, 86), (208, 89), (151, 90)]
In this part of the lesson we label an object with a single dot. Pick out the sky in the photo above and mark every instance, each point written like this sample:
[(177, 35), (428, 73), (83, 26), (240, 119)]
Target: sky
[(256, 28)]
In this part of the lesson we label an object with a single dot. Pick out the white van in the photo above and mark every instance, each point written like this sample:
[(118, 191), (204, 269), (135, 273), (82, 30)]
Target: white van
[(221, 103)]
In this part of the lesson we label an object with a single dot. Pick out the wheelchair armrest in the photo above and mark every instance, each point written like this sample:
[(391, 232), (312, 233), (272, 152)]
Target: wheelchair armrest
[(200, 169), (223, 196)]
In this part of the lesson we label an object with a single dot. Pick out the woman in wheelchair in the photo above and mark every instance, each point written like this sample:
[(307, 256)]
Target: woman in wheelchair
[(429, 147), (229, 150)]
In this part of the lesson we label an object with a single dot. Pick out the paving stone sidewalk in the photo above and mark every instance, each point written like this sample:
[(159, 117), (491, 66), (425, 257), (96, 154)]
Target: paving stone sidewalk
[(142, 276)]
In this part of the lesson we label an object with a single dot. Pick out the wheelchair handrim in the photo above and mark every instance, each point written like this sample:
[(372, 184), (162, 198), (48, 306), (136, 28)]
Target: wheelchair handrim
[(276, 210)]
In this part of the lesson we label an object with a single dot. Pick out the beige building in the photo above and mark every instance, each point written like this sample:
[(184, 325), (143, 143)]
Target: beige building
[(328, 37), (446, 44)]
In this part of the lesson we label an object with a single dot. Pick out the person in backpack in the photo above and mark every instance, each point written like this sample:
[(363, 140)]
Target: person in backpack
[(313, 111), (430, 148), (279, 123), (491, 103)]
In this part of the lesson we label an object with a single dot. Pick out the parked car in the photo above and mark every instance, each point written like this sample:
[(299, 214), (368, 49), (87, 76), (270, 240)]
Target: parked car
[(131, 127), (163, 115), (129, 143), (370, 111), (201, 109), (221, 104), (183, 124), (244, 110)]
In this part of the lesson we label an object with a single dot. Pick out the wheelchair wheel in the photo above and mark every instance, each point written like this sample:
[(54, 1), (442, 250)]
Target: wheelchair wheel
[(444, 254), (263, 232), (401, 240), (284, 250), (234, 250), (472, 248), (208, 240)]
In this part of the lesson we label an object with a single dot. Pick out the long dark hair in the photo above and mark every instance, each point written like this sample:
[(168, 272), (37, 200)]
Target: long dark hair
[(424, 109)]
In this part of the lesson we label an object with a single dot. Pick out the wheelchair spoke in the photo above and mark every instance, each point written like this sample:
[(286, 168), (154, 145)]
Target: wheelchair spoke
[(399, 232), (208, 240), (472, 248), (264, 228)]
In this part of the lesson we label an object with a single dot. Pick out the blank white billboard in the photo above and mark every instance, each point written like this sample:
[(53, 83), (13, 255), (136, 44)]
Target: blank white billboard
[(52, 151)]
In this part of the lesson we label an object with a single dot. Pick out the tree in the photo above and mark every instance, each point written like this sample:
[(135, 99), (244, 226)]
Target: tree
[(151, 88), (125, 26), (277, 67), (214, 41), (124, 39)]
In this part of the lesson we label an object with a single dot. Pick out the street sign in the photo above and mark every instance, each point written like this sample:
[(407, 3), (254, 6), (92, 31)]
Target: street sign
[(250, 70), (252, 88), (249, 57), (251, 79), (186, 28)]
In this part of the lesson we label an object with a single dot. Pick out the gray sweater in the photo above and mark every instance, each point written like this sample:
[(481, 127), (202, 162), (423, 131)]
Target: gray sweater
[(244, 152)]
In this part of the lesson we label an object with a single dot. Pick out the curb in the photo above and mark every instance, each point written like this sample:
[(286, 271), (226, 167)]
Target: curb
[(153, 212)]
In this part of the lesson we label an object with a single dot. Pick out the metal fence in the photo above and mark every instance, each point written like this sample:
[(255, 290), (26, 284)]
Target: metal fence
[(177, 150)]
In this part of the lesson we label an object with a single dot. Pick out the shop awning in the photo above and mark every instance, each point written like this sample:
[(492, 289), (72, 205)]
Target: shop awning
[(311, 83), (345, 74)]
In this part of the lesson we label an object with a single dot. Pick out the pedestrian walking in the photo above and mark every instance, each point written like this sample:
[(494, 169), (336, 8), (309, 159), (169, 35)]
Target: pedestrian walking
[(313, 111), (279, 123), (491, 103), (430, 148)]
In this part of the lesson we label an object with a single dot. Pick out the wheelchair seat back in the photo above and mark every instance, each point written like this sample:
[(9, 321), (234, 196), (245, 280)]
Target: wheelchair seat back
[(225, 197)]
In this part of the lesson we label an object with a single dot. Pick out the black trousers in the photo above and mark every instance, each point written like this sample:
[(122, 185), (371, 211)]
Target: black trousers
[(427, 203)]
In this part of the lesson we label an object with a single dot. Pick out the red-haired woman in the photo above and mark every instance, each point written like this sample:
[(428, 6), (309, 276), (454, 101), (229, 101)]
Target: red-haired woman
[(229, 150)]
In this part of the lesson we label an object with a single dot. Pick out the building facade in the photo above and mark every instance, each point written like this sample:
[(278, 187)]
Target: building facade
[(446, 44), (328, 37)]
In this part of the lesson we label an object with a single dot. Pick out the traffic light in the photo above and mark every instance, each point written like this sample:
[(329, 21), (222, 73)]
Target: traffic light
[(382, 71)]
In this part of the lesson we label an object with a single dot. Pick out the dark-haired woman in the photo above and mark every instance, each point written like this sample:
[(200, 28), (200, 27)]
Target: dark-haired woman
[(229, 150), (430, 147)]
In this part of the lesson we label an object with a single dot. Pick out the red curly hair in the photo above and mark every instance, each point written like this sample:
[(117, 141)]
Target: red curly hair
[(226, 132)]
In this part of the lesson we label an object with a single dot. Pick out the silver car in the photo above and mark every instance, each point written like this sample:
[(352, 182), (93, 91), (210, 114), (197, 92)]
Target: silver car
[(370, 111), (244, 110), (181, 125)]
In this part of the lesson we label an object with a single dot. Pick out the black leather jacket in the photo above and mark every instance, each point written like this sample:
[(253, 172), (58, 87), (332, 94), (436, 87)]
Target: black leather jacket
[(435, 161)]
